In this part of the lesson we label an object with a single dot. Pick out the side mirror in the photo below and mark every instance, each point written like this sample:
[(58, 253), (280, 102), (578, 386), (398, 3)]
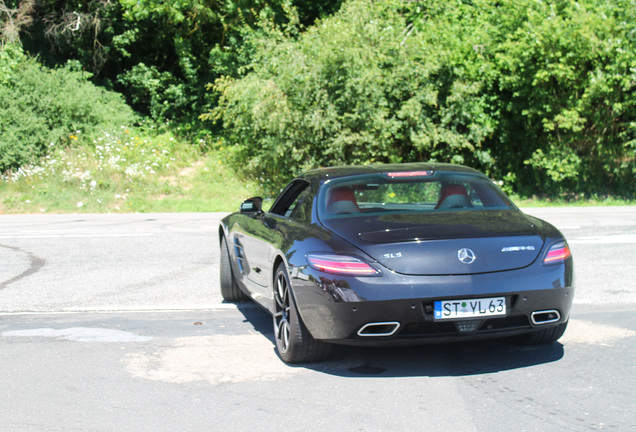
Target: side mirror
[(252, 205)]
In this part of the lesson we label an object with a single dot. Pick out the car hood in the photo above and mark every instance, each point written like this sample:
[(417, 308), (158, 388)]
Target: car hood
[(448, 243)]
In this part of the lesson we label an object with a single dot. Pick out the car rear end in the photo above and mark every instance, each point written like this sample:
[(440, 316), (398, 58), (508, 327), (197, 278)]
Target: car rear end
[(430, 255)]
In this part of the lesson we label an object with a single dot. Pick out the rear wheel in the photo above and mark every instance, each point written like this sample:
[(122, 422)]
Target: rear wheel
[(293, 341), (543, 336), (230, 290)]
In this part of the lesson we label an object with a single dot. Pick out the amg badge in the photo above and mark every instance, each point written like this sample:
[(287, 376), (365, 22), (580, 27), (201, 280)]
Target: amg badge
[(517, 248)]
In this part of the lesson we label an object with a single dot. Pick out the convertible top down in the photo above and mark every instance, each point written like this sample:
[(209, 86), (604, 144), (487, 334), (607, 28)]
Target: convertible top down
[(396, 254)]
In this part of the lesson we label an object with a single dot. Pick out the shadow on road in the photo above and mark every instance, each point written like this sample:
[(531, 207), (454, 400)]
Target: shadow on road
[(456, 359), (258, 318)]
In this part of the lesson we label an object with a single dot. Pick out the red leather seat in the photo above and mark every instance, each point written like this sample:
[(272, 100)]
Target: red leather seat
[(453, 190), (342, 200)]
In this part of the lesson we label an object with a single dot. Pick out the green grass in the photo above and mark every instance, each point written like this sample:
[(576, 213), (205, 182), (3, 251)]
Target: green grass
[(139, 170), (598, 201), (126, 171)]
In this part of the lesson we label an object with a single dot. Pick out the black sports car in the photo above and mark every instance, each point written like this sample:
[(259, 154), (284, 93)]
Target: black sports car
[(396, 254)]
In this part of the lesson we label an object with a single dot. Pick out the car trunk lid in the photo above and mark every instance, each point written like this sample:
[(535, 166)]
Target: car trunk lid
[(446, 243)]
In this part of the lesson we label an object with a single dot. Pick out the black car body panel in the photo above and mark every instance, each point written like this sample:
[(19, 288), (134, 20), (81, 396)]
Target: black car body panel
[(336, 309), (415, 245), (417, 252)]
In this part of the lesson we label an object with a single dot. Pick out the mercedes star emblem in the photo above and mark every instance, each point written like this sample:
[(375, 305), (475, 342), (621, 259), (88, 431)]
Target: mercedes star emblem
[(466, 256)]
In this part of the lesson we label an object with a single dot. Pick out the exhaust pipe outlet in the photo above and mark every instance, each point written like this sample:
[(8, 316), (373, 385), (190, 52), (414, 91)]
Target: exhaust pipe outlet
[(379, 329), (545, 317)]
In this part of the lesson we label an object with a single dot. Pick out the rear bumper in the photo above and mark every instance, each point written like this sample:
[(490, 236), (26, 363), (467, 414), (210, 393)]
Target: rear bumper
[(396, 309)]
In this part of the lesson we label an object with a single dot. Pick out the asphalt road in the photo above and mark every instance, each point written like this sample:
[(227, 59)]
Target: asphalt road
[(115, 323)]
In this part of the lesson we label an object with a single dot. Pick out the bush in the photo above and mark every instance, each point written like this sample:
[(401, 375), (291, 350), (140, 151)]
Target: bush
[(540, 94), (39, 106), (358, 88), (180, 44), (566, 75)]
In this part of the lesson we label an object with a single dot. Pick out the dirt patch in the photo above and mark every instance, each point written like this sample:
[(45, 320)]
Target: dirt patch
[(191, 170), (180, 178)]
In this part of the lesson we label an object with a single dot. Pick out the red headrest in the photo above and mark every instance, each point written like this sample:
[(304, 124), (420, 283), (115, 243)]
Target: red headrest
[(451, 189), (342, 199)]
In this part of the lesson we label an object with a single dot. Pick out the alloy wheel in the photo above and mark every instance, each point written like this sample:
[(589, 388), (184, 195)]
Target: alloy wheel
[(281, 315)]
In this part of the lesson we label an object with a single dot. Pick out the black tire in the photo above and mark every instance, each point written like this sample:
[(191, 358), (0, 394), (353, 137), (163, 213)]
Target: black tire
[(293, 341), (230, 290), (543, 336)]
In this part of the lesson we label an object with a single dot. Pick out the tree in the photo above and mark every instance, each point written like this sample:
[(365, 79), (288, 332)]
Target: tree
[(160, 55), (537, 93), (362, 86)]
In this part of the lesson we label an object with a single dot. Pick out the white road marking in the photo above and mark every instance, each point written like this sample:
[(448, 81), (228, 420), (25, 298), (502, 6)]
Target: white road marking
[(95, 235), (606, 239), (140, 309), (80, 334), (158, 308)]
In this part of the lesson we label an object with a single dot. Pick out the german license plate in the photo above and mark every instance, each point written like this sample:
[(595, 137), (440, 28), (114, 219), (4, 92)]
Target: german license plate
[(472, 308)]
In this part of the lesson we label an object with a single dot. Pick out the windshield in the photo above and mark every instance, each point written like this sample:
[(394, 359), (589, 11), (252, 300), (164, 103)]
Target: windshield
[(398, 193)]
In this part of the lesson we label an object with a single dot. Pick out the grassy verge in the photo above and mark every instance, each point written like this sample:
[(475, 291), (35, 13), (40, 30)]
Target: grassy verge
[(125, 170), (139, 170), (569, 202)]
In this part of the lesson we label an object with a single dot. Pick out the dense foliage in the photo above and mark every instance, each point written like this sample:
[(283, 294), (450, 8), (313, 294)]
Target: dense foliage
[(40, 107), (566, 89), (540, 94), (159, 54)]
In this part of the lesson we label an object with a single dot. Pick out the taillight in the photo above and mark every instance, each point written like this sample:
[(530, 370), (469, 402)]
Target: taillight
[(346, 265), (557, 253)]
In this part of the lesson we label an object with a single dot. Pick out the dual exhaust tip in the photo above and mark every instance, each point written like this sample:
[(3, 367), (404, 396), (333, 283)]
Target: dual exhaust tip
[(389, 328), (545, 317), (379, 329)]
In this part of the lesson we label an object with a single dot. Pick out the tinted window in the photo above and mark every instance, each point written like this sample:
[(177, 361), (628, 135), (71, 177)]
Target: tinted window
[(301, 207), (290, 201), (433, 192)]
